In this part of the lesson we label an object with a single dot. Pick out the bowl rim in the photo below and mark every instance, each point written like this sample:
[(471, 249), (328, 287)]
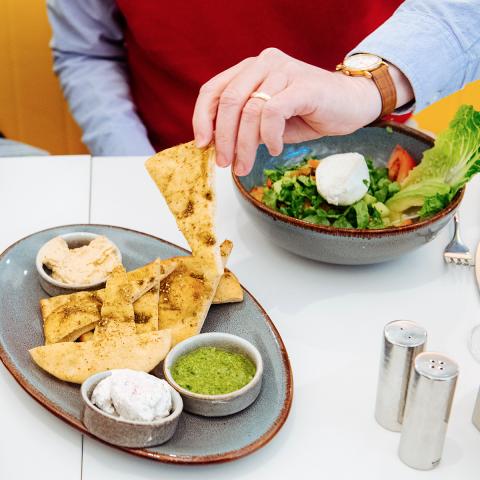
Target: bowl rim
[(356, 232), (234, 340), (70, 286), (96, 378)]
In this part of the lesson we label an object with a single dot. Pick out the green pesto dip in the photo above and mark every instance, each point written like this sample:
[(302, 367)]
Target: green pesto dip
[(213, 371)]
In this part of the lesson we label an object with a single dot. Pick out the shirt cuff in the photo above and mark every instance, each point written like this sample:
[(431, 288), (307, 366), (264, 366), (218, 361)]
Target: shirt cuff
[(424, 50)]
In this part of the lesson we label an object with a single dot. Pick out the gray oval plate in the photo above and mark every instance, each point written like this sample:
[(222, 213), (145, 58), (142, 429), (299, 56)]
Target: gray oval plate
[(197, 439)]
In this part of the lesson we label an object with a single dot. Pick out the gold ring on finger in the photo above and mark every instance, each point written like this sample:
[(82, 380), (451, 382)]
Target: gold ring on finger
[(261, 95)]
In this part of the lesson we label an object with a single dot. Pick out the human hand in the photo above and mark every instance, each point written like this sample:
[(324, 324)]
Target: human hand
[(306, 102)]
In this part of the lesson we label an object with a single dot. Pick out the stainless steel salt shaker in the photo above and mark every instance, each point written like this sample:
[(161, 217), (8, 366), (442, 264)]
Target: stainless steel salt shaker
[(403, 340), (427, 411)]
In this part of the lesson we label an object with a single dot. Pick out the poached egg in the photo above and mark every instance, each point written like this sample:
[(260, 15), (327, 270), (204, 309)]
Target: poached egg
[(342, 179)]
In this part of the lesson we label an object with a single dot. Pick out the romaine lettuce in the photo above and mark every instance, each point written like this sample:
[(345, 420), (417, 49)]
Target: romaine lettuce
[(445, 168)]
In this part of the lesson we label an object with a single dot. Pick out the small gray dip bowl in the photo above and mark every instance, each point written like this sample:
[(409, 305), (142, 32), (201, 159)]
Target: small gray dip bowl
[(216, 405), (127, 433), (54, 287), (341, 245)]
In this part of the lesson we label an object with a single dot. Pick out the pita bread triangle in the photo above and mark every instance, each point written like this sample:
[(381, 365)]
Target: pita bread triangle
[(117, 316), (115, 343), (67, 317), (229, 289), (146, 311), (185, 298), (185, 176)]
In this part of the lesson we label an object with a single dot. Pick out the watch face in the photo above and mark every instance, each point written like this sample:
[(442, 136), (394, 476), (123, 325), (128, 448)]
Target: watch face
[(362, 61)]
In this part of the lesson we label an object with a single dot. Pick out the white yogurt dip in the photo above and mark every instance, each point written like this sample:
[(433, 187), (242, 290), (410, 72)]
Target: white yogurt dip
[(133, 395)]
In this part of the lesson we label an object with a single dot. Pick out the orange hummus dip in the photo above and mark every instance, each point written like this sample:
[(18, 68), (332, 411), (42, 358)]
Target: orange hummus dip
[(85, 265)]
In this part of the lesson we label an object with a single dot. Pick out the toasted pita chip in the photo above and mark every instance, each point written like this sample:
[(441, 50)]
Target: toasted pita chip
[(183, 295), (117, 307), (86, 337), (75, 314), (143, 279), (185, 298), (49, 305), (146, 311), (185, 176), (146, 307), (226, 248), (115, 343), (76, 361), (229, 289), (71, 320)]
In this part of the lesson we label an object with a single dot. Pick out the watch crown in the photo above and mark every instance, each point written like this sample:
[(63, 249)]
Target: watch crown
[(339, 66)]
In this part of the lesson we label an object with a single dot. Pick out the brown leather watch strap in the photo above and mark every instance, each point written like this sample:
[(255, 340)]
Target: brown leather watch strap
[(386, 87)]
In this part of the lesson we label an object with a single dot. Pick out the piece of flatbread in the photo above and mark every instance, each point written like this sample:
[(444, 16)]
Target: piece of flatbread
[(146, 307), (67, 317), (185, 298), (115, 342), (117, 306), (146, 311), (185, 176), (72, 319), (229, 289), (76, 361), (68, 302), (143, 279), (184, 295), (86, 337)]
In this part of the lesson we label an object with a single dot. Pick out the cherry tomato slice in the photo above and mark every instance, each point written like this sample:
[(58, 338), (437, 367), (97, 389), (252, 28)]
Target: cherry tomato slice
[(399, 164)]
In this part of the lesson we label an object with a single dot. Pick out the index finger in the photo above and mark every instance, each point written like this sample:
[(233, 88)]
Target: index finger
[(207, 103)]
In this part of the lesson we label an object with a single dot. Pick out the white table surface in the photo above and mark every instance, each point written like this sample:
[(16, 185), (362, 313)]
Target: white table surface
[(32, 439), (330, 317)]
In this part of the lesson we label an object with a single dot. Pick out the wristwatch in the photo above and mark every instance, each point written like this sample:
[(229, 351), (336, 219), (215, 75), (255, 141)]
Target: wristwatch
[(372, 66)]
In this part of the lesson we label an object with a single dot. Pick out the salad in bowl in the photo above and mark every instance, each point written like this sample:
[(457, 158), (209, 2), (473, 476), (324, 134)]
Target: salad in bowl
[(350, 191)]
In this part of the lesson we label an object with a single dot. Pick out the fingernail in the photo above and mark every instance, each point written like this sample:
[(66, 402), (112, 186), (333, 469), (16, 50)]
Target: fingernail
[(275, 150), (240, 170), (200, 141), (221, 161)]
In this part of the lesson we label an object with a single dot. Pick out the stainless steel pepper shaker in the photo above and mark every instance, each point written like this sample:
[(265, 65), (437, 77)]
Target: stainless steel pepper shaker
[(403, 340), (427, 411)]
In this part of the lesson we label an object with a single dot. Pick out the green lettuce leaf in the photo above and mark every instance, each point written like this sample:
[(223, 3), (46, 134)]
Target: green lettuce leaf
[(361, 212), (342, 222), (445, 168), (434, 204), (376, 220), (318, 219), (270, 198)]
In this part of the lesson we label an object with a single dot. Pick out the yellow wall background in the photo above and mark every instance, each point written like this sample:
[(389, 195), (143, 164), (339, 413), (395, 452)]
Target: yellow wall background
[(32, 108), (437, 116)]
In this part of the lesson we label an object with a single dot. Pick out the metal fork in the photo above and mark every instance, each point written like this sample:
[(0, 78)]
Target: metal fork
[(456, 251)]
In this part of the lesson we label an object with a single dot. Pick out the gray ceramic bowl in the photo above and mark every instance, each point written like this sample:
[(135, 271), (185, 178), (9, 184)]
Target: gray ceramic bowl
[(216, 405), (125, 433), (340, 245), (54, 287)]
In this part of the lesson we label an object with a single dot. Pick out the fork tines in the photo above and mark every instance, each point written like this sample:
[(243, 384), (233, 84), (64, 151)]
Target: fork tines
[(459, 258)]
